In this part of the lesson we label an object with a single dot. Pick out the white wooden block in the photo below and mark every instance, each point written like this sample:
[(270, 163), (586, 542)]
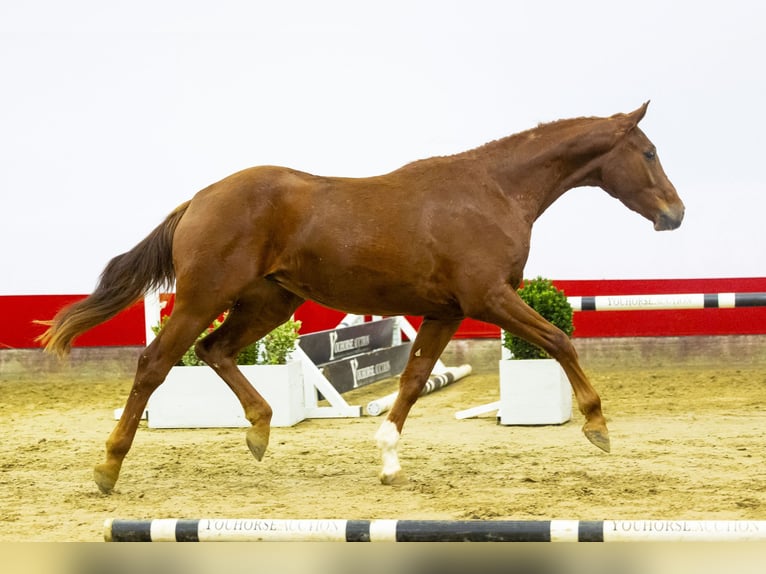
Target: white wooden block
[(196, 397), (534, 392)]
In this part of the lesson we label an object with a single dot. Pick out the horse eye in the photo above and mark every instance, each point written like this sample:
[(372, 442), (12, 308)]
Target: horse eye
[(650, 154)]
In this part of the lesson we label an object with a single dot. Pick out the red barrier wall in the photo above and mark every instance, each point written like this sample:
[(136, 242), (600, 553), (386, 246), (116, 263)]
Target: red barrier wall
[(17, 313), (18, 330), (678, 322)]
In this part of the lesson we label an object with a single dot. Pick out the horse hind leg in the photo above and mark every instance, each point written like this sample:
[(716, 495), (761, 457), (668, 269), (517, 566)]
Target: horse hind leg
[(248, 320), (431, 340), (154, 364)]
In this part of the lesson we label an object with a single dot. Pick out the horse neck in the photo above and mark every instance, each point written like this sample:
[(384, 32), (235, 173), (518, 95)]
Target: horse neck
[(537, 167)]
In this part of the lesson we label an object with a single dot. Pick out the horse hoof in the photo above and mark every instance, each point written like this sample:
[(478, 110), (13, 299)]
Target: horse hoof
[(396, 479), (105, 478), (599, 437), (257, 442)]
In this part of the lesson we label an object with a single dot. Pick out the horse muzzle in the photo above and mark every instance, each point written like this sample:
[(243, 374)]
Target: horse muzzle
[(670, 219)]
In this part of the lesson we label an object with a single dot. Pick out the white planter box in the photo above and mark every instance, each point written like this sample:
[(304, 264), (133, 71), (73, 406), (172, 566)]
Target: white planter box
[(196, 397), (534, 392)]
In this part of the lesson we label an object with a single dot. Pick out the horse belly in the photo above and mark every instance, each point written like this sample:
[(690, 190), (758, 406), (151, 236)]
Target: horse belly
[(364, 290)]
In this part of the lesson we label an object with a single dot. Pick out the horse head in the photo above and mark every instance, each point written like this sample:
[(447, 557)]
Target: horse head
[(631, 172)]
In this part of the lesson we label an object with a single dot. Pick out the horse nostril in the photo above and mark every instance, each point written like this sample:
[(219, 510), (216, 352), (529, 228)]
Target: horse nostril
[(667, 222), (679, 215)]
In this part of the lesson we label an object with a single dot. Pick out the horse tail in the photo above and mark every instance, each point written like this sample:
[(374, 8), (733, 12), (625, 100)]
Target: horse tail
[(124, 281)]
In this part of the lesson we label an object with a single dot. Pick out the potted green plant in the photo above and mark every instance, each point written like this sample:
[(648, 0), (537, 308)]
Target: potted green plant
[(274, 349), (550, 302), (533, 387), (194, 396)]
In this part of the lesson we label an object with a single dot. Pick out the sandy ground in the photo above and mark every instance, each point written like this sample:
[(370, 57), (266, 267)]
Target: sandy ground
[(686, 444)]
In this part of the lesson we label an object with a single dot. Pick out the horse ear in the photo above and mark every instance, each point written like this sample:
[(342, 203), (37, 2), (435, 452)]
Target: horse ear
[(626, 122), (607, 132), (639, 114)]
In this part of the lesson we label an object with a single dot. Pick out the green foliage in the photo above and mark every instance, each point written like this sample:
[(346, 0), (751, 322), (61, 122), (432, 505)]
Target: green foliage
[(552, 304), (278, 344), (273, 349)]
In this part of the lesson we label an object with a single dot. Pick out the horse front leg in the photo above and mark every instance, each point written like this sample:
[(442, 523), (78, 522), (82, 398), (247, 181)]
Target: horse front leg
[(431, 340), (512, 314)]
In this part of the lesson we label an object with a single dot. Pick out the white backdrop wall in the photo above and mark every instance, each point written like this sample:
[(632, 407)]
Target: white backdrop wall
[(112, 113)]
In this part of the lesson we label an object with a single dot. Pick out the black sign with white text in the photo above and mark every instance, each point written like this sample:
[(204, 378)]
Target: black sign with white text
[(360, 370), (326, 346)]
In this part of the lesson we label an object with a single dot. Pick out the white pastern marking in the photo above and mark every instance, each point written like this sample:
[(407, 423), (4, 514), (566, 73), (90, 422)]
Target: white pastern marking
[(387, 438)]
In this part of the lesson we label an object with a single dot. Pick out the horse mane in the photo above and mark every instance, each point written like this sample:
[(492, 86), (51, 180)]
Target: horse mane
[(540, 133)]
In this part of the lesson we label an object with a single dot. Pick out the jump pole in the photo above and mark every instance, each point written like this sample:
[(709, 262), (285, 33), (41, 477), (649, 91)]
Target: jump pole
[(435, 382), (670, 301), (278, 530)]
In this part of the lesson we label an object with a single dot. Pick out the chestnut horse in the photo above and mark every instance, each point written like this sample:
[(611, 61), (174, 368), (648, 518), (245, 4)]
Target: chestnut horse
[(444, 238)]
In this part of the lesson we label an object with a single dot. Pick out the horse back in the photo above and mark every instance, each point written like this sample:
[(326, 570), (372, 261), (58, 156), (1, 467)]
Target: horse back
[(390, 244)]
